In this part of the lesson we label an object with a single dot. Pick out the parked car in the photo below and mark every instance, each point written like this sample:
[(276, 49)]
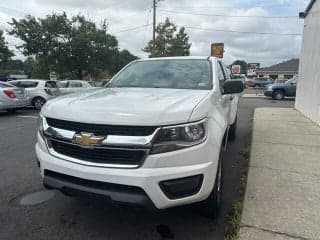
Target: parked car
[(12, 98), (155, 136), (39, 91), (258, 82), (5, 78), (280, 80), (99, 83), (279, 91), (72, 86)]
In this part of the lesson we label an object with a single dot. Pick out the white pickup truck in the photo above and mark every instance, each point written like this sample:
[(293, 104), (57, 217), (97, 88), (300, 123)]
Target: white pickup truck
[(154, 136)]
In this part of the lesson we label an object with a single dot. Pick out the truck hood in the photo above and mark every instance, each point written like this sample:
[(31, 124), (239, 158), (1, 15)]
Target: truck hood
[(126, 106)]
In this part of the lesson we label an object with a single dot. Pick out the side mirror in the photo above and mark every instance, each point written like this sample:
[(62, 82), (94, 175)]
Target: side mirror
[(233, 87)]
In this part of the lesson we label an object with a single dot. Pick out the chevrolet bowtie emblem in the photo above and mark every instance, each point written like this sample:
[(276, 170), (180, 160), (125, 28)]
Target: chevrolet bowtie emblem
[(87, 139)]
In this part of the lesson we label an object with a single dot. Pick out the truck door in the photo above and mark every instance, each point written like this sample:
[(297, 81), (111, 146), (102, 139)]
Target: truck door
[(232, 106), (291, 89), (225, 98)]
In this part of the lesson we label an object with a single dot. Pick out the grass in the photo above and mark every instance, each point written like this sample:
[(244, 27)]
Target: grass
[(234, 221), (234, 216), (245, 152)]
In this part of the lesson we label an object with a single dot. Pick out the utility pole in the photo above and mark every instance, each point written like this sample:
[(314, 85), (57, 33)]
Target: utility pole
[(154, 22)]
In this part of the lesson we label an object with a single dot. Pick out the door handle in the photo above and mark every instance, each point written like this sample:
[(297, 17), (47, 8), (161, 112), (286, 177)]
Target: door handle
[(231, 98)]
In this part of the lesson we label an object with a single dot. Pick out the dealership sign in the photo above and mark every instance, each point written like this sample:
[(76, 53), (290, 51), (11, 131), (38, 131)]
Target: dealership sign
[(217, 50), (253, 65)]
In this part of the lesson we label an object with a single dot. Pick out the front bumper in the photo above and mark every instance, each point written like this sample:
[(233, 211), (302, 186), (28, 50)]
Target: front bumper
[(199, 160), (83, 187), (268, 93), (14, 103)]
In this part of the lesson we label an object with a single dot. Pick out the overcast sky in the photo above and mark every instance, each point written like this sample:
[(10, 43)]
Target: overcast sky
[(126, 14)]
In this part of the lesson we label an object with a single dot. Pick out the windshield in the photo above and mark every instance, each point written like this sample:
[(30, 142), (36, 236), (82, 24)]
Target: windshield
[(292, 81), (4, 85), (62, 84), (178, 74)]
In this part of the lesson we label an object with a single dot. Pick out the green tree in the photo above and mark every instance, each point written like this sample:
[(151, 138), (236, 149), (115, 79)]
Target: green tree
[(15, 65), (68, 46), (122, 59), (5, 53), (180, 44), (44, 38), (28, 65), (243, 64), (168, 42), (40, 69)]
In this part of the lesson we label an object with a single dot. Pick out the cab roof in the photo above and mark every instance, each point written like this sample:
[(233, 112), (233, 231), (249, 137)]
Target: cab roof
[(178, 58)]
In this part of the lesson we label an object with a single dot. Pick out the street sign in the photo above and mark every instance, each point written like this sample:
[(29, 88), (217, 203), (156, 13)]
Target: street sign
[(217, 50)]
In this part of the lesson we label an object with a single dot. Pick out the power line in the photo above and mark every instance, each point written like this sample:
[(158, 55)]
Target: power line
[(244, 32), (232, 7), (133, 28), (223, 15)]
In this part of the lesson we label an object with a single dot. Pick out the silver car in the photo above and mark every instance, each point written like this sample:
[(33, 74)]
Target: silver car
[(72, 86), (12, 98), (39, 91)]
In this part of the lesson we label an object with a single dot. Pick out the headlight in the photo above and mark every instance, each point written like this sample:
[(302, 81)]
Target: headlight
[(40, 124), (270, 88), (180, 136)]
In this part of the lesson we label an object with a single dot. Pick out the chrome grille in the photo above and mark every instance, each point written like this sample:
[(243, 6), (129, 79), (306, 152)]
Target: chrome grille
[(119, 147), (100, 155), (101, 129)]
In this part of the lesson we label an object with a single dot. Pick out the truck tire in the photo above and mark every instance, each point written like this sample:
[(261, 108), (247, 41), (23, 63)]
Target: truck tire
[(278, 95), (233, 130), (211, 206)]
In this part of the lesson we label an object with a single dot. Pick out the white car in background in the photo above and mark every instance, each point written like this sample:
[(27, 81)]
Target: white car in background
[(72, 86), (154, 136), (12, 98), (39, 91)]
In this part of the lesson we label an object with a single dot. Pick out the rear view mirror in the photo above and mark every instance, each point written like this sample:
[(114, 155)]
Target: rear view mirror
[(233, 87)]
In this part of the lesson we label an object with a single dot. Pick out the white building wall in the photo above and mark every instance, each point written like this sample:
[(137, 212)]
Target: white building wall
[(308, 89)]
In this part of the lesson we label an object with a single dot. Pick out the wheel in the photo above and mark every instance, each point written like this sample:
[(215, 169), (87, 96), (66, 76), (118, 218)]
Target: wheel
[(278, 95), (38, 102), (233, 130), (11, 110), (211, 206)]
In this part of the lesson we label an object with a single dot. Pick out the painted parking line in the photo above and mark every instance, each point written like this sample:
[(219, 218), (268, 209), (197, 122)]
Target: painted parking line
[(30, 116)]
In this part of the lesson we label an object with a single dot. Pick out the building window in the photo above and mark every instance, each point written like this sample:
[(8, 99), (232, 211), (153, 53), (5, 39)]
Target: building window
[(288, 76), (273, 76)]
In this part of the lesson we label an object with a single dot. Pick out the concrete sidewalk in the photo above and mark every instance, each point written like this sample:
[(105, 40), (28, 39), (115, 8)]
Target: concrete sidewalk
[(282, 200), (253, 95)]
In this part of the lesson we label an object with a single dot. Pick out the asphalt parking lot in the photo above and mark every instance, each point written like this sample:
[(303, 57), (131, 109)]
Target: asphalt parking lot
[(61, 217)]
